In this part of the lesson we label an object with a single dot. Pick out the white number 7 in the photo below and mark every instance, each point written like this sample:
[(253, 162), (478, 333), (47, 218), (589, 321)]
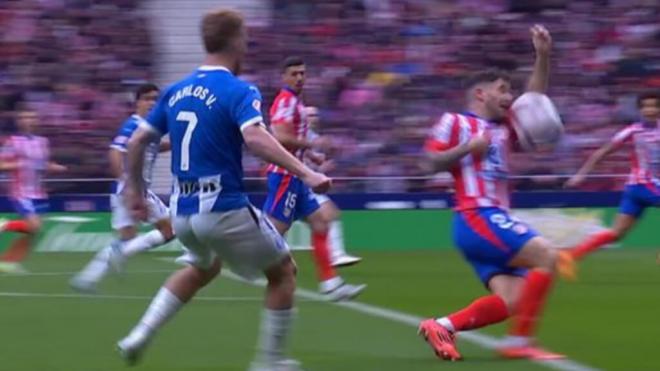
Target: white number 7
[(191, 119)]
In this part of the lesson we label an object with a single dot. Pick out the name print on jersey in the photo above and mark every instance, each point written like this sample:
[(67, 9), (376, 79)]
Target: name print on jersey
[(198, 92)]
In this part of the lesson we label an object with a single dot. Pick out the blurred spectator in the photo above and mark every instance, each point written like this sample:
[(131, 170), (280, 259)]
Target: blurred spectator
[(381, 71), (67, 59)]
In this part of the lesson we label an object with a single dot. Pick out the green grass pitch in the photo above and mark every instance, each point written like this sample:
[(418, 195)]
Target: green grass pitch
[(607, 320)]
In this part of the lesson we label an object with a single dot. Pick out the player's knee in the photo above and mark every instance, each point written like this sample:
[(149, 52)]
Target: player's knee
[(319, 225), (204, 276), (34, 225), (284, 275), (510, 299), (547, 258), (332, 212), (618, 233)]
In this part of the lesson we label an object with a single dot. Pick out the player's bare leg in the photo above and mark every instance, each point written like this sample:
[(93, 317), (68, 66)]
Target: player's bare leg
[(622, 225), (115, 255), (277, 318), (336, 236), (484, 311), (174, 294), (541, 260), (330, 284), (86, 280), (161, 234), (10, 261)]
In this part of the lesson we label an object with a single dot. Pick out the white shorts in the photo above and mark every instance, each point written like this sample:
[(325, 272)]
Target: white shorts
[(244, 239), (320, 198), (121, 213)]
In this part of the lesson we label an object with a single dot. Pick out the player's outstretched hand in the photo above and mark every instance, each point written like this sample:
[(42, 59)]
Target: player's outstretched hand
[(541, 39), (319, 183), (575, 181), (479, 145)]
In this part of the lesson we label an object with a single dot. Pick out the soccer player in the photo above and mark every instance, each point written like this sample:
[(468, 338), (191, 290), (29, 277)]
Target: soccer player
[(643, 188), (129, 243), (209, 115), (514, 263), (338, 255), (288, 197), (26, 156)]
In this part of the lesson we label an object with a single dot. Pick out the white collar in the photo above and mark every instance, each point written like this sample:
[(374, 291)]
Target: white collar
[(216, 67)]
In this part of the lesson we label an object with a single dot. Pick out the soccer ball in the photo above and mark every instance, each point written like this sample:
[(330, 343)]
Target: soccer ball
[(536, 122)]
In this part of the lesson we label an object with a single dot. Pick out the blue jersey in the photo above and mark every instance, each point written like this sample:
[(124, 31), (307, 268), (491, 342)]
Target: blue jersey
[(204, 114), (119, 143)]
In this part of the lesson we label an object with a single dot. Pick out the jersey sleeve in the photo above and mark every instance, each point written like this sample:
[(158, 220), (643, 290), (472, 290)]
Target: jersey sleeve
[(622, 136), (120, 140), (246, 110), (283, 110), (156, 120), (444, 134)]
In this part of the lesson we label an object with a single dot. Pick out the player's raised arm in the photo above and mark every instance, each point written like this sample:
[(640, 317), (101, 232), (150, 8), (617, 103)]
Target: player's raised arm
[(542, 41)]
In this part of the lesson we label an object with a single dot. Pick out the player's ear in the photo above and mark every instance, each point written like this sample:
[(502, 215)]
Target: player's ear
[(478, 93)]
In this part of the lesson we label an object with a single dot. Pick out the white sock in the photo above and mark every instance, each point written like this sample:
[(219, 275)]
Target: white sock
[(142, 242), (336, 237), (273, 333), (163, 307), (98, 267), (446, 323)]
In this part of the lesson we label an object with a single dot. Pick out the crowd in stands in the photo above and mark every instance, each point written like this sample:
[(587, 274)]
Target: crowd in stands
[(380, 71), (72, 61)]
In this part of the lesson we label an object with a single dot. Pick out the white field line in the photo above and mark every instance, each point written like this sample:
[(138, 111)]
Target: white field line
[(474, 337)]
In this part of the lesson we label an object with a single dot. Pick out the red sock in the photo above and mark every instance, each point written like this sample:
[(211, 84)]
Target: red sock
[(593, 243), (321, 252), (531, 302), (486, 310), (20, 226), (17, 251)]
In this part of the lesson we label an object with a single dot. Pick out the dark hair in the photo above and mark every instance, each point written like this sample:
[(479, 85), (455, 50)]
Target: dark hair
[(144, 89), (292, 61), (220, 28), (490, 75), (648, 95)]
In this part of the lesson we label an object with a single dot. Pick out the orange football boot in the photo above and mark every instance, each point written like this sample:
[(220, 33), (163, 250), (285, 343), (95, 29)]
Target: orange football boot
[(441, 340)]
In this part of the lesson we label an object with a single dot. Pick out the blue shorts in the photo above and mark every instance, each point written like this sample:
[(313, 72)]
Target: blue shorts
[(26, 207), (637, 197), (289, 199), (489, 238)]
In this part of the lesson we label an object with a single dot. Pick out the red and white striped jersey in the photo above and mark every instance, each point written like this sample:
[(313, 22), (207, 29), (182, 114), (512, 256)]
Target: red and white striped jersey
[(288, 109), (646, 151), (32, 153), (480, 181)]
